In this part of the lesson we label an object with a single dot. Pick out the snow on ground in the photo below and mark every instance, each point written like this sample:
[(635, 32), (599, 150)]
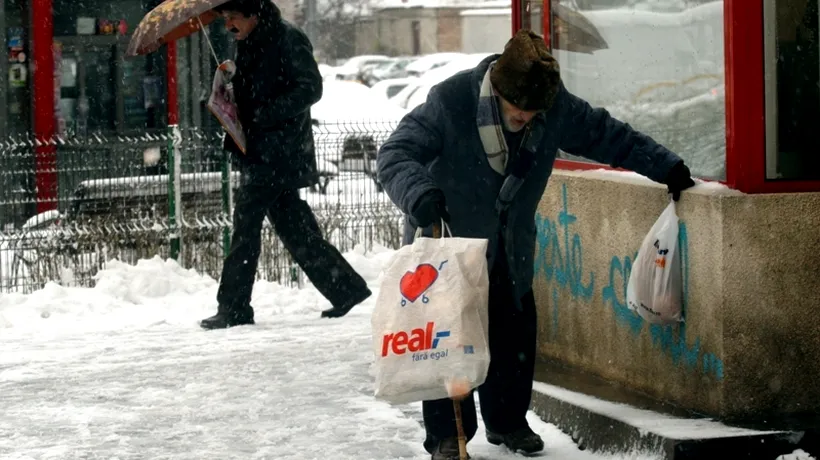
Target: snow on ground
[(122, 371)]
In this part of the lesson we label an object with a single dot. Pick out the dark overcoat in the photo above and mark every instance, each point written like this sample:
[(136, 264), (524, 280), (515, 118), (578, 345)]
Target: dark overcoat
[(276, 83), (437, 145)]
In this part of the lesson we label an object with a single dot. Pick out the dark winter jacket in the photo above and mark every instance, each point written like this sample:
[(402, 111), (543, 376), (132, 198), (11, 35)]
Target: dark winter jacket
[(437, 145), (276, 83)]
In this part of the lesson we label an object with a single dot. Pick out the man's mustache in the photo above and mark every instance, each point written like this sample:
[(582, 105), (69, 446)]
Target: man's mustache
[(234, 30)]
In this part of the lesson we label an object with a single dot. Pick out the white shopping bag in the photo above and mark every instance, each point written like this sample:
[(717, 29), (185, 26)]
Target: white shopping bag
[(430, 320), (655, 289)]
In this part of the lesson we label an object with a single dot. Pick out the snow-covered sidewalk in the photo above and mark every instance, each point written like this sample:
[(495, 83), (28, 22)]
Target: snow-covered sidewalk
[(123, 371)]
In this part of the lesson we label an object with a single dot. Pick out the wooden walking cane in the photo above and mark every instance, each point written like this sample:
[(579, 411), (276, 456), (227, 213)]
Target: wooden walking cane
[(457, 397), (462, 439)]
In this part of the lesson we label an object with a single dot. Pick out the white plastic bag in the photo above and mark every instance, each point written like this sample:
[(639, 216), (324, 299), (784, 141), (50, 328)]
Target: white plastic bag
[(655, 289), (430, 320)]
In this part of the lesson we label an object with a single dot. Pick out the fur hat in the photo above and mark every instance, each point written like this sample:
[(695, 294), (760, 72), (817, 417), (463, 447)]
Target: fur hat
[(526, 74)]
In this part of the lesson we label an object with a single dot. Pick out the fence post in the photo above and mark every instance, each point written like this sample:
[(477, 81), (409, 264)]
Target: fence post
[(174, 192), (226, 201)]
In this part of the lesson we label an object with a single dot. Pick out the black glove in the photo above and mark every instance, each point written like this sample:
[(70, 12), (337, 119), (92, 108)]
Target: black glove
[(679, 179), (430, 209)]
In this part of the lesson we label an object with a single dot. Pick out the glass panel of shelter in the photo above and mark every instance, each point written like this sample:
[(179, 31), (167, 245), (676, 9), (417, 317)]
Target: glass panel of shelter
[(102, 90), (792, 68), (659, 67), (113, 94), (16, 100)]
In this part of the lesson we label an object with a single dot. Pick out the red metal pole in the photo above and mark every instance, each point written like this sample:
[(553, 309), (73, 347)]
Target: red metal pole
[(546, 22), (171, 77), (516, 16), (45, 150), (745, 104)]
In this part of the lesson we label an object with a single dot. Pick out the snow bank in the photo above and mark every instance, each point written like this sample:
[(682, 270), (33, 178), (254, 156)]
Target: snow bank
[(151, 292), (157, 292), (353, 104)]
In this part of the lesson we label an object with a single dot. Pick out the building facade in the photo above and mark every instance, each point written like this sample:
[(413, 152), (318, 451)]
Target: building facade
[(417, 28)]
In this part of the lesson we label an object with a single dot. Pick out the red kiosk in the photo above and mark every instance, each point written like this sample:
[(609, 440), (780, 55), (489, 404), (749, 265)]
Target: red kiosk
[(746, 352)]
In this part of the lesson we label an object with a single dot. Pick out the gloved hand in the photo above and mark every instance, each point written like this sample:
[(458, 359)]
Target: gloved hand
[(430, 209), (679, 179)]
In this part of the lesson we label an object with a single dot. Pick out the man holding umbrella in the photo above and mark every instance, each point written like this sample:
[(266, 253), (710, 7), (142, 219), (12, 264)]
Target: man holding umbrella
[(478, 154), (276, 82)]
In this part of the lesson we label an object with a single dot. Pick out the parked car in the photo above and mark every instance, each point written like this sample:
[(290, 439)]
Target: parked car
[(351, 70), (429, 62), (391, 86), (350, 124), (396, 68), (415, 93)]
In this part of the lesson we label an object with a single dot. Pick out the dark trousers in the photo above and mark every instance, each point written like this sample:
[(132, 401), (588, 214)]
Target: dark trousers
[(505, 395), (295, 224)]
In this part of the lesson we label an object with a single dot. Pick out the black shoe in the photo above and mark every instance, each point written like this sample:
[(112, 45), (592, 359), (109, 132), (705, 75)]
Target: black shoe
[(447, 450), (223, 321), (339, 311), (523, 440)]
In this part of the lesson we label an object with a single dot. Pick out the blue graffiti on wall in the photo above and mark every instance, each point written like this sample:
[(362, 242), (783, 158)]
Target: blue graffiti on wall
[(566, 270), (557, 259), (672, 340)]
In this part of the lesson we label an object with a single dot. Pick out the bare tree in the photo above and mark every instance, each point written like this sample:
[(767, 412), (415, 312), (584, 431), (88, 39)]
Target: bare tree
[(334, 25)]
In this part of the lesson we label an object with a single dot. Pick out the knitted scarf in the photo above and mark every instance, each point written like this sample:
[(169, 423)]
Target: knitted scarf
[(491, 132), (490, 128)]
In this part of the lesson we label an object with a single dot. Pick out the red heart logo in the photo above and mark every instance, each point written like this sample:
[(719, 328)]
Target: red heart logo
[(413, 284)]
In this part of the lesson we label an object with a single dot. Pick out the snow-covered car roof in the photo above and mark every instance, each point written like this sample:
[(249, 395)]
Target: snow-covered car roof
[(346, 101)]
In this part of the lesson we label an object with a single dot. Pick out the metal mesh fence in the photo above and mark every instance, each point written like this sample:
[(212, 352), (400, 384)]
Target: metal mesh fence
[(113, 202)]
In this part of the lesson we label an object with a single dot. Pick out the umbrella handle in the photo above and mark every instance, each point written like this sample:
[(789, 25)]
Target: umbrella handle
[(208, 39), (436, 230)]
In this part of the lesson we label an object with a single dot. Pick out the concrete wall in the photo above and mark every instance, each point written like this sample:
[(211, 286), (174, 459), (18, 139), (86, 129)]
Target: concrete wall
[(771, 285), (750, 344), (441, 30), (395, 30), (448, 33), (485, 31), (367, 37)]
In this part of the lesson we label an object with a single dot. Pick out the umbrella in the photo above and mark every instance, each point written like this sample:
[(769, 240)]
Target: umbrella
[(170, 21), (572, 31)]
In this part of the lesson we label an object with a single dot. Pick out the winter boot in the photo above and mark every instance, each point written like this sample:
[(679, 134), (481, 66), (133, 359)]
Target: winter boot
[(522, 440), (225, 320), (447, 450), (339, 311)]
